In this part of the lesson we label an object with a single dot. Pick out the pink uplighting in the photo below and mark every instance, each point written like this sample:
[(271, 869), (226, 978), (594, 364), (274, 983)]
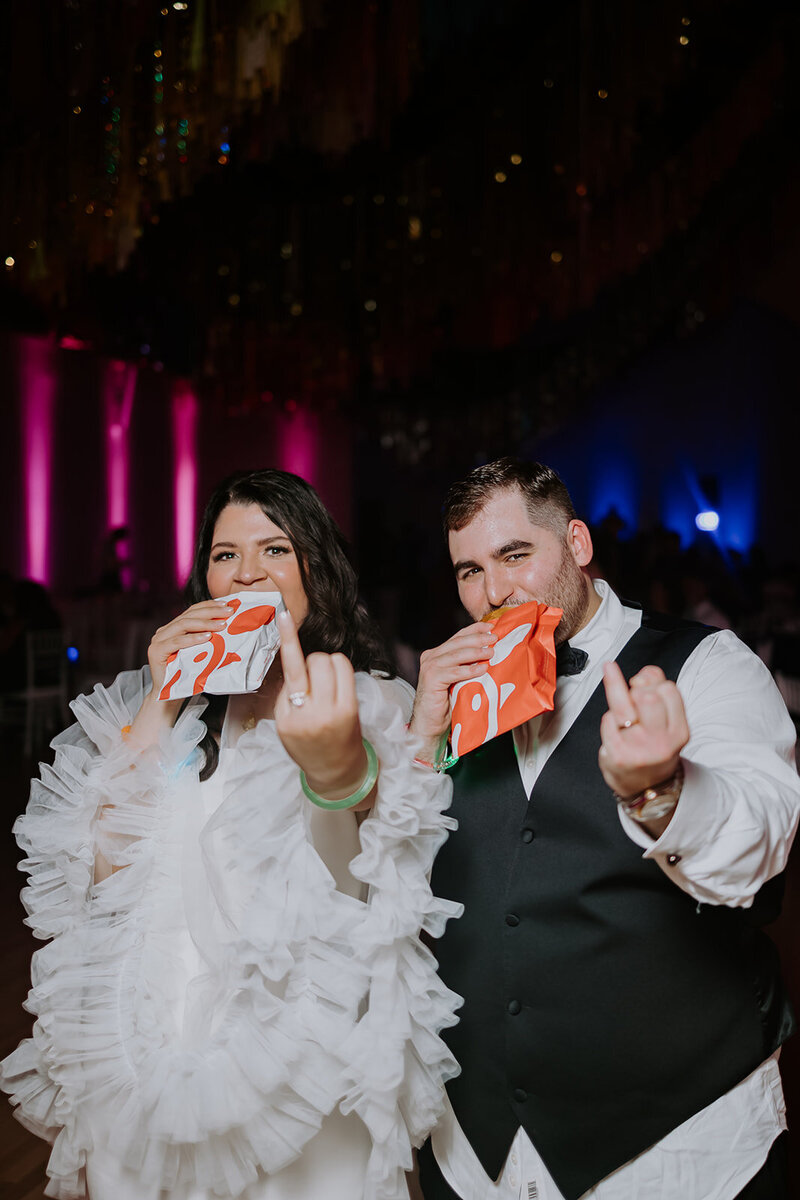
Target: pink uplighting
[(68, 342), (298, 444), (37, 394), (118, 396), (184, 449)]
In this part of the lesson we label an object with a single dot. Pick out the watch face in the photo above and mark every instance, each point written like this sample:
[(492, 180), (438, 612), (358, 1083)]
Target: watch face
[(655, 802), (651, 810)]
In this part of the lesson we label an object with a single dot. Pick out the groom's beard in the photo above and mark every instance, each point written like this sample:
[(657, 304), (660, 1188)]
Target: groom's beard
[(569, 592)]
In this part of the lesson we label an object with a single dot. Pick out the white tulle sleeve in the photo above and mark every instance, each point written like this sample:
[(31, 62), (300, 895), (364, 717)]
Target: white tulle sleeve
[(307, 998)]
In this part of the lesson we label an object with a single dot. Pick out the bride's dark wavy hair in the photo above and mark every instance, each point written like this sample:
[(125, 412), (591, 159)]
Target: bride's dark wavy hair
[(337, 621)]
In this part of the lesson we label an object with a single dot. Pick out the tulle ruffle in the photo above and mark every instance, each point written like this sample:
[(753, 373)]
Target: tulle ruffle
[(308, 997)]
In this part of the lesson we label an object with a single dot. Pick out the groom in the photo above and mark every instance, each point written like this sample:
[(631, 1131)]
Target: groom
[(616, 857)]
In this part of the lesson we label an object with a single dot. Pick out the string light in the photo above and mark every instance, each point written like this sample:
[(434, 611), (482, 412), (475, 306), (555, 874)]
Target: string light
[(602, 93), (684, 41), (370, 305), (500, 176), (581, 189), (556, 256), (414, 228), (686, 20), (515, 159), (548, 83), (77, 110), (10, 263), (296, 309)]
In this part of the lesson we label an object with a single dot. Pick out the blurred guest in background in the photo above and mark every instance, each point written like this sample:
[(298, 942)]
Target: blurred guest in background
[(27, 609)]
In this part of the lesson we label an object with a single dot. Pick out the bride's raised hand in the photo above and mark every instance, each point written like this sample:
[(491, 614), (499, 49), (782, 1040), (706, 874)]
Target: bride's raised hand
[(316, 715)]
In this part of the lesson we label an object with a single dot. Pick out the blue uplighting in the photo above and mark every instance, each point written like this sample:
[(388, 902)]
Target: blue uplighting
[(73, 654)]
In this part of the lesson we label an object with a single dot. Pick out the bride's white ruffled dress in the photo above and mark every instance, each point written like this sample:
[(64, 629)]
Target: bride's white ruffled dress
[(246, 1010)]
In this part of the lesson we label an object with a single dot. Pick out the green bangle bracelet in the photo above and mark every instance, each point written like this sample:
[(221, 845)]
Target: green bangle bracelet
[(357, 796)]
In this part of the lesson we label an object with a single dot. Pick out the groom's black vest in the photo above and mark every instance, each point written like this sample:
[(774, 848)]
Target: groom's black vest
[(602, 1005)]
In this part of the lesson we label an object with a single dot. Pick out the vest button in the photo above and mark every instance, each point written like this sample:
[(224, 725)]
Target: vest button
[(514, 1007), (673, 859), (512, 919), (519, 1095), (527, 835)]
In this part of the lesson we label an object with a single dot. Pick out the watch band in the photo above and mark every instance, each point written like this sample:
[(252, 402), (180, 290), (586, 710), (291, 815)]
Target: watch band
[(654, 802)]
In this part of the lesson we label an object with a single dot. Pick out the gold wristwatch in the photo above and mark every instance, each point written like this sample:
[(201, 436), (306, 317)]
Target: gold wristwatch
[(655, 801)]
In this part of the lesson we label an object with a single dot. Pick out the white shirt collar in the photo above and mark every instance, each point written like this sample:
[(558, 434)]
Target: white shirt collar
[(602, 630)]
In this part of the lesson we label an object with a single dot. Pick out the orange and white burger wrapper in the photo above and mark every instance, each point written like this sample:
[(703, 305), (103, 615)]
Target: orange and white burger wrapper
[(233, 660), (520, 682)]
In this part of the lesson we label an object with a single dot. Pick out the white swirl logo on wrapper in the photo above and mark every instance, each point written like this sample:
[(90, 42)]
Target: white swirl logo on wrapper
[(235, 659), (519, 684)]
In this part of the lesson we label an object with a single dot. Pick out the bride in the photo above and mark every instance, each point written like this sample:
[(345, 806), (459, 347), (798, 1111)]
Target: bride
[(233, 1000)]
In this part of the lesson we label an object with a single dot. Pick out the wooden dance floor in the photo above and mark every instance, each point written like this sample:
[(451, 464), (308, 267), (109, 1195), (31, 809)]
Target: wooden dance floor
[(23, 1157)]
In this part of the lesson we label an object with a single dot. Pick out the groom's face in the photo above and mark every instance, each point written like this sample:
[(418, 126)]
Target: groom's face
[(503, 558)]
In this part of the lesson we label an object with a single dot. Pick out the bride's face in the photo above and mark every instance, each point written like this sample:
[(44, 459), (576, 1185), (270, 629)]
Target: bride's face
[(249, 552)]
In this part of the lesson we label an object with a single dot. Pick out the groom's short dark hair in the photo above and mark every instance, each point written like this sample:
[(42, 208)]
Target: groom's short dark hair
[(546, 497)]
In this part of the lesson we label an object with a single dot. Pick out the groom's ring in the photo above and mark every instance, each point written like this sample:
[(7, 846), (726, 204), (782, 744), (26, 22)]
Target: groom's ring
[(625, 724), (298, 699)]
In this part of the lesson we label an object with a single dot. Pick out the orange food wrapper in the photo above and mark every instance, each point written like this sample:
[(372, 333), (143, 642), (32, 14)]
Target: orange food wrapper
[(520, 682), (234, 660)]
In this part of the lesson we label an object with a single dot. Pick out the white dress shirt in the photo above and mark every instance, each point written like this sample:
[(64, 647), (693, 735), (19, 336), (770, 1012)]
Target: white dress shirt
[(731, 832)]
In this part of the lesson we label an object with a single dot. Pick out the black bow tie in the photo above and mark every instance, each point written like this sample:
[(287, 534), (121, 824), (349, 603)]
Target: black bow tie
[(570, 660)]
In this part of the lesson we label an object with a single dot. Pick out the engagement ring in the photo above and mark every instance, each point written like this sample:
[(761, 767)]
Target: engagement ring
[(298, 699)]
